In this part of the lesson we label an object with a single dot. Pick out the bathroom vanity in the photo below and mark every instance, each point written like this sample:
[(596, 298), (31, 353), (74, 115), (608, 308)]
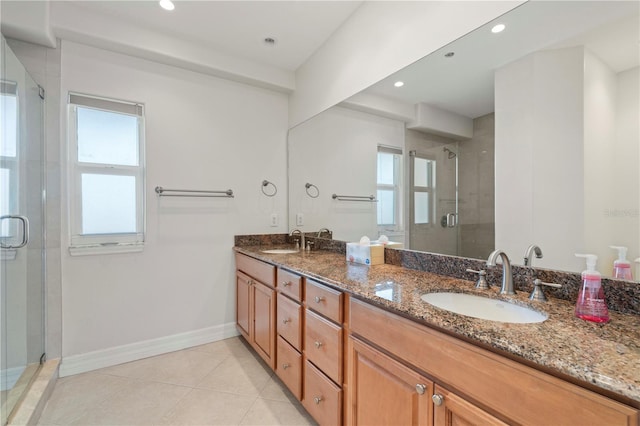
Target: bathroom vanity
[(357, 345)]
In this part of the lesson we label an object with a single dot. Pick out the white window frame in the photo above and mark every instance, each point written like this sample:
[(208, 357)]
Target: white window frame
[(429, 190), (82, 244), (396, 187)]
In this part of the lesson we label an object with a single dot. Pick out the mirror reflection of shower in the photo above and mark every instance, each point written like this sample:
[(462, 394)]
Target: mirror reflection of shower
[(450, 154)]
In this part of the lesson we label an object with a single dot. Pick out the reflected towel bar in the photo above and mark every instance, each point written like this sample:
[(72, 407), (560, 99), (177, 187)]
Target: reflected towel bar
[(162, 192), (368, 198)]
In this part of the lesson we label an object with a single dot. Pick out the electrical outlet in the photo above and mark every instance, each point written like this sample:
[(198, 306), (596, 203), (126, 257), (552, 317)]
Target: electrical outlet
[(274, 219), (299, 219)]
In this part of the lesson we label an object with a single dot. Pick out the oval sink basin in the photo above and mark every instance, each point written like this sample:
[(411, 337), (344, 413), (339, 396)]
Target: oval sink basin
[(483, 308), (280, 251)]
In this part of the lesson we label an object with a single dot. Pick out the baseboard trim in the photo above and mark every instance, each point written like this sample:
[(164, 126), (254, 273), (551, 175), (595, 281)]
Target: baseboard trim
[(90, 361)]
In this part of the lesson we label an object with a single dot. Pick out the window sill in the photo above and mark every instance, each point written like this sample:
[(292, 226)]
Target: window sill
[(105, 249)]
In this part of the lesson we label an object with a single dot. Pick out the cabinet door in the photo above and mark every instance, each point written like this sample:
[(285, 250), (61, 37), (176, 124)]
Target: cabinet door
[(384, 392), (243, 304), (450, 409), (264, 330)]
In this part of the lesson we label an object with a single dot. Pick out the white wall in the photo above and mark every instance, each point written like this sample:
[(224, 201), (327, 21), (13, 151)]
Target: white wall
[(567, 127), (539, 157), (201, 133), (337, 152), (380, 38)]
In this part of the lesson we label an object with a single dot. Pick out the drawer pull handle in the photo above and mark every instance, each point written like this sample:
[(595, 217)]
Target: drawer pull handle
[(420, 388), (285, 366), (318, 344), (286, 320), (318, 399), (437, 399), (286, 283), (319, 299)]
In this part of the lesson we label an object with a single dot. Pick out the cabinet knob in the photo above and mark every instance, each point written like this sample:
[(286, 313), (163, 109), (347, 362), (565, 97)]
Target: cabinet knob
[(319, 299), (318, 344), (318, 399), (286, 320), (285, 366), (286, 283), (421, 389), (438, 399)]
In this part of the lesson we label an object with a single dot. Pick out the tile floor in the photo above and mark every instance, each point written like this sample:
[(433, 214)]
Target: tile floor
[(221, 383)]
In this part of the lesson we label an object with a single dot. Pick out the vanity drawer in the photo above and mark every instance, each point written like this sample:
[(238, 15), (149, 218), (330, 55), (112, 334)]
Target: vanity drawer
[(288, 321), (290, 284), (323, 345), (257, 269), (324, 300), (289, 367), (322, 398)]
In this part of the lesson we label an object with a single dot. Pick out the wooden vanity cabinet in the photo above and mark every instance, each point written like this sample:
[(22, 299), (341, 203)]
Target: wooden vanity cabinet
[(289, 327), (489, 388), (452, 410), (383, 391), (323, 353), (256, 305)]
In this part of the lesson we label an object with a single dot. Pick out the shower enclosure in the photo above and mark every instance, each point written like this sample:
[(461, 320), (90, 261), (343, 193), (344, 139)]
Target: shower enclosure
[(433, 199), (21, 231)]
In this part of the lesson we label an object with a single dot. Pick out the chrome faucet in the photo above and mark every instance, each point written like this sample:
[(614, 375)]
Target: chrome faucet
[(528, 255), (301, 239), (507, 275), (323, 230)]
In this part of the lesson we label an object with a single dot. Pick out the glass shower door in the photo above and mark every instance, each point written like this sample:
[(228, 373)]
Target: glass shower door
[(433, 199), (21, 231)]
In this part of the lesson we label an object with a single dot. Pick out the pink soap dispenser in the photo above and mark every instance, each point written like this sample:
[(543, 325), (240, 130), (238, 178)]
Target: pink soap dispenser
[(622, 267), (591, 305)]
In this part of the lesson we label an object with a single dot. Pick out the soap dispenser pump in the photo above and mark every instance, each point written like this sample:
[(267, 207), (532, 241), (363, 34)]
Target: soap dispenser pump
[(621, 267), (591, 305)]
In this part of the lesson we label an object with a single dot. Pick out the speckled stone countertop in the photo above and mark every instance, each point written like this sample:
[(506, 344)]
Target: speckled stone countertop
[(606, 356)]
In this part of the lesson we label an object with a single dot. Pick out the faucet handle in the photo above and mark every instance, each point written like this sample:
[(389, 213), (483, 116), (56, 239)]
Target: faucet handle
[(537, 294), (482, 283)]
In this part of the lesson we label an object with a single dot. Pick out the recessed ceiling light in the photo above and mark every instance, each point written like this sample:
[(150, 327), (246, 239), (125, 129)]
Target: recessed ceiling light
[(399, 83), (167, 5), (449, 54), (498, 28)]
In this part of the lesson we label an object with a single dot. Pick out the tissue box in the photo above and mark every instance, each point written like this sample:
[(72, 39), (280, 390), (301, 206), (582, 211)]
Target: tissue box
[(367, 255)]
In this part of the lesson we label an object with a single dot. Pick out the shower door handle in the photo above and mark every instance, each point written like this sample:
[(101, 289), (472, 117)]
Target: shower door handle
[(452, 220), (25, 231)]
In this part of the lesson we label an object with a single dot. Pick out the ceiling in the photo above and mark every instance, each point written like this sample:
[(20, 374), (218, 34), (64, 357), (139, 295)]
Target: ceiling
[(464, 83), (236, 28)]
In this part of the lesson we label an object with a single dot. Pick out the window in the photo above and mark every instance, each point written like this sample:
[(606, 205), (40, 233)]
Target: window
[(423, 184), (389, 188), (106, 145), (8, 157)]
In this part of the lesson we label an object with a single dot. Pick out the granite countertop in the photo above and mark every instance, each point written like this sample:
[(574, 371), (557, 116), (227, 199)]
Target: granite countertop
[(604, 355)]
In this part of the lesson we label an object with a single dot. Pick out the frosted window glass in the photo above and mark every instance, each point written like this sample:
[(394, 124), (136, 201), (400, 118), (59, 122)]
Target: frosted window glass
[(421, 172), (421, 207), (108, 204), (8, 125), (385, 168), (386, 207), (107, 137)]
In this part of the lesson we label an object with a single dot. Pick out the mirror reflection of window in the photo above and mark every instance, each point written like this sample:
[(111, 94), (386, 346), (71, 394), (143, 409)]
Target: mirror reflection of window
[(8, 155), (389, 184), (423, 189)]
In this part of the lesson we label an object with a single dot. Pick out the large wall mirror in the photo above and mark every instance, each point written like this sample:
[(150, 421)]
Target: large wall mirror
[(529, 135)]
